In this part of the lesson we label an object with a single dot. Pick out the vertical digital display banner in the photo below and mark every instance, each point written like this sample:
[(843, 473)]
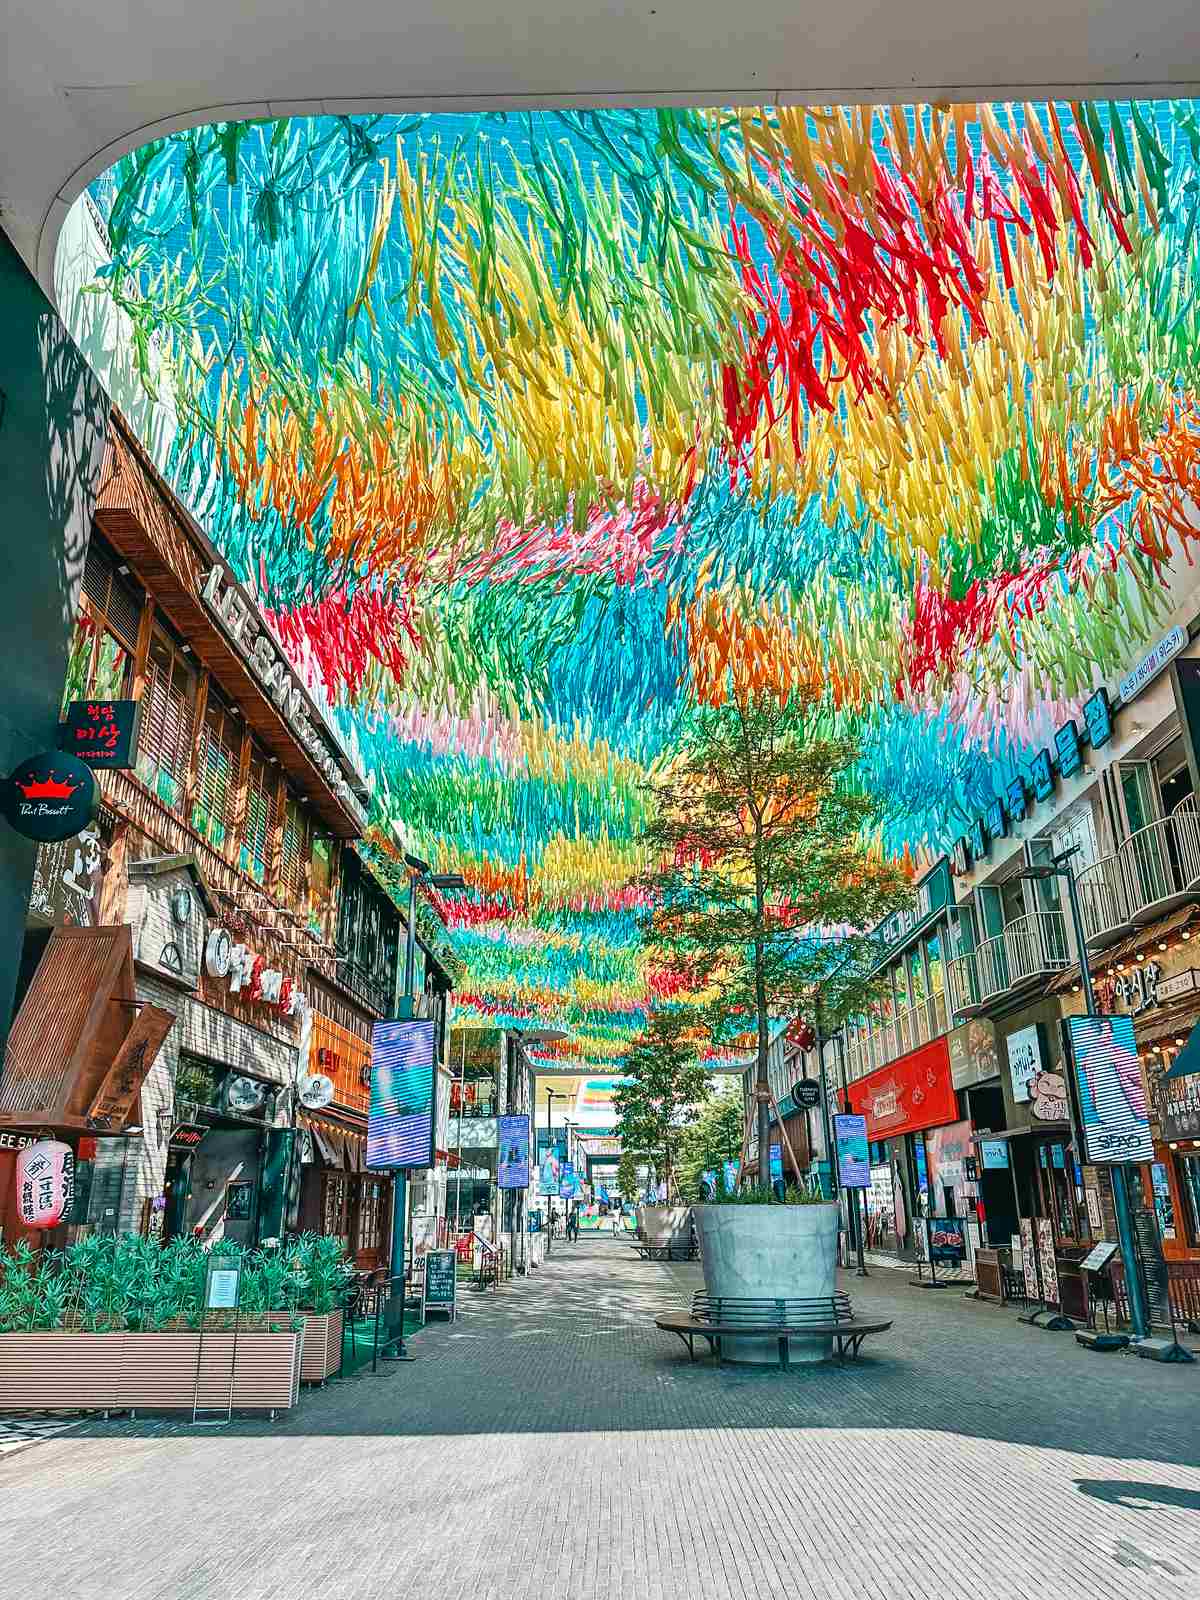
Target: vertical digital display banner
[(1112, 1091), (853, 1151), (512, 1171), (400, 1125)]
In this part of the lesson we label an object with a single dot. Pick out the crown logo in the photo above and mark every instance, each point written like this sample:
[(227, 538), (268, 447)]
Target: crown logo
[(48, 788)]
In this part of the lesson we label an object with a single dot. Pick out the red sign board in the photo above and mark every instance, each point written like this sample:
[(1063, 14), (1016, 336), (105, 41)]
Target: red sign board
[(909, 1094)]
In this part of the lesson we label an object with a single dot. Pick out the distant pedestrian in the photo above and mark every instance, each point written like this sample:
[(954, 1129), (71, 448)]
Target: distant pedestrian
[(573, 1225)]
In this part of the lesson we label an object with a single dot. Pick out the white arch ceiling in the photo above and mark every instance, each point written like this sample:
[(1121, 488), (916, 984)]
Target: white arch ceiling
[(81, 85)]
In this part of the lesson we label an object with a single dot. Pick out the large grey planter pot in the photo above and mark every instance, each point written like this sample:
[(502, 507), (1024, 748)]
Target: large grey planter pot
[(666, 1227), (770, 1252)]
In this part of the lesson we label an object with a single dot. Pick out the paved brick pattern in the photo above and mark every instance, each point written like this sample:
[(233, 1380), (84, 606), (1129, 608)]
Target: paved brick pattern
[(552, 1441)]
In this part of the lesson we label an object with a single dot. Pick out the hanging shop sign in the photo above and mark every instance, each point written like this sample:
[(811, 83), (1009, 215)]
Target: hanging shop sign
[(1024, 1046), (269, 668), (973, 1054), (909, 1094), (1152, 663), (1112, 1091), (103, 733), (993, 1153), (45, 1183), (1038, 783), (932, 898), (403, 1086), (512, 1167), (1176, 1103), (853, 1151), (315, 1090), (121, 1088), (806, 1094), (250, 976), (186, 1136), (49, 797)]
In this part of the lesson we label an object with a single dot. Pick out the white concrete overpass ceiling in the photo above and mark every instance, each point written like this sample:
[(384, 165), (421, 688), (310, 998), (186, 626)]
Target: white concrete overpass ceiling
[(82, 85)]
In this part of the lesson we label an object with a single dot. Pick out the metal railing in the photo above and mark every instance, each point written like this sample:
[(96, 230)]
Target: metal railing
[(1154, 868), (1029, 947), (897, 1035)]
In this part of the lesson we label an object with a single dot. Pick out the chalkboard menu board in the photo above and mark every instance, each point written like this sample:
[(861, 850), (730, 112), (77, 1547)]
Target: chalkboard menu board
[(440, 1280)]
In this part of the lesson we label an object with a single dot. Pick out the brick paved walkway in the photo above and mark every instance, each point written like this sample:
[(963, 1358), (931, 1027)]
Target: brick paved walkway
[(553, 1442)]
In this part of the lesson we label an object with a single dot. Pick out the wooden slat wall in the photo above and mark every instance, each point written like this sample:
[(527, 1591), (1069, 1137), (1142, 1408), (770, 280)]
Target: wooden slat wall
[(137, 516)]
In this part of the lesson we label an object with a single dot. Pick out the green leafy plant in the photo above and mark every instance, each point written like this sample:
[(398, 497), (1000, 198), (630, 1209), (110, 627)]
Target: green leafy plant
[(793, 1195), (768, 880), (117, 1283), (664, 1083)]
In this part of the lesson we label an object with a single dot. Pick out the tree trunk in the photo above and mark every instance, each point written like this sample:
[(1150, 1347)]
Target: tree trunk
[(762, 1083)]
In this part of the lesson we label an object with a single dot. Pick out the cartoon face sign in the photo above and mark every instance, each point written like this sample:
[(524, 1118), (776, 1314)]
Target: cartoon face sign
[(1049, 1097)]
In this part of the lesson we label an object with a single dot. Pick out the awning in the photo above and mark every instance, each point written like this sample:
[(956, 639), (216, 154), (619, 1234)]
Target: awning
[(1055, 1129), (1127, 947), (1188, 1059), (80, 1044)]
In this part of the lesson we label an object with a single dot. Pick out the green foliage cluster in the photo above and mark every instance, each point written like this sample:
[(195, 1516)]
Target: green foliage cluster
[(116, 1283), (663, 1085), (793, 1195), (714, 1137)]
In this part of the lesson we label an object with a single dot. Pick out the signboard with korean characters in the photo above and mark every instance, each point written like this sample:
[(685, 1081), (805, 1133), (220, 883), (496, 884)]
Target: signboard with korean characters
[(101, 732)]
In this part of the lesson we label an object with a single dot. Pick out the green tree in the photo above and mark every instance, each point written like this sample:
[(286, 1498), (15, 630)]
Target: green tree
[(628, 1184), (715, 1136), (768, 885), (664, 1082)]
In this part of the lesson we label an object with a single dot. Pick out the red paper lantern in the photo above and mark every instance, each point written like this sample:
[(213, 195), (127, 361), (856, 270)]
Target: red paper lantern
[(45, 1183)]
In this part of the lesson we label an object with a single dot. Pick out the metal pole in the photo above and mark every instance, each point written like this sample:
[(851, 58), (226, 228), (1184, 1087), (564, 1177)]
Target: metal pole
[(549, 1144), (1117, 1172), (400, 1176), (854, 1204), (825, 1125)]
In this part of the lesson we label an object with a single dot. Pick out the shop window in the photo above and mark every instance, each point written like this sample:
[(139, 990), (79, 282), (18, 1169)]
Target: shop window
[(259, 825), (369, 1230), (1135, 792), (320, 892), (1172, 776), (1187, 1169), (198, 1082), (168, 705), (294, 856), (335, 1207), (216, 771), (104, 641)]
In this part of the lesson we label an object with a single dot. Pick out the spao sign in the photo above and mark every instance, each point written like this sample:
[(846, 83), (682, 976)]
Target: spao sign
[(266, 662)]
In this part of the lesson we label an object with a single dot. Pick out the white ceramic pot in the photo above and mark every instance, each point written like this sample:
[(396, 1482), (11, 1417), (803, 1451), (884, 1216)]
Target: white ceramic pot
[(769, 1252), (666, 1227)]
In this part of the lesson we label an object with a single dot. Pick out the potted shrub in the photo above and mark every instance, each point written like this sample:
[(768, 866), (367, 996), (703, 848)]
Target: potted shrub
[(756, 1246), (322, 1276), (114, 1322)]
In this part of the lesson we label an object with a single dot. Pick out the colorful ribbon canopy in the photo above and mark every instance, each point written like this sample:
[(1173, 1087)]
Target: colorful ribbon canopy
[(534, 432)]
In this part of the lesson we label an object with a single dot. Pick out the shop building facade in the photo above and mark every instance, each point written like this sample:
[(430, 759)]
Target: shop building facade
[(1115, 795), (256, 922)]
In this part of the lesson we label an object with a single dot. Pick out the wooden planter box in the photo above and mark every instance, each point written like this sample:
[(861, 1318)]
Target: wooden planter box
[(154, 1371), (61, 1371), (322, 1346)]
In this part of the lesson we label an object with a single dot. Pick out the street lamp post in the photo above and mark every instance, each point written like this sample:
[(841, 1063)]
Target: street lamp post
[(1061, 867), (854, 1197), (418, 871), (551, 1096)]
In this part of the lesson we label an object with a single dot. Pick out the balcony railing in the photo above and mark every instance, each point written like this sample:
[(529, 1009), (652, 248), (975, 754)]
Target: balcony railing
[(898, 1035), (1029, 948), (1155, 869)]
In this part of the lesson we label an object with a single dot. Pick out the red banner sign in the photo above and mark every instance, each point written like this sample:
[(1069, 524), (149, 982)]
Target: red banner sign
[(909, 1094)]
